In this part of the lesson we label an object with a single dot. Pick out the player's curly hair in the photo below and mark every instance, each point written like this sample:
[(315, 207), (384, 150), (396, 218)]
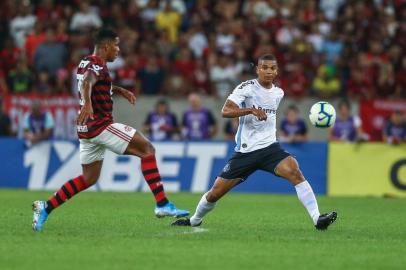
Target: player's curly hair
[(105, 35)]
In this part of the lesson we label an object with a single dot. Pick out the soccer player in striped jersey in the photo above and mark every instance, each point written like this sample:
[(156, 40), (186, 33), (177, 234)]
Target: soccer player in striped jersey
[(255, 102), (97, 132)]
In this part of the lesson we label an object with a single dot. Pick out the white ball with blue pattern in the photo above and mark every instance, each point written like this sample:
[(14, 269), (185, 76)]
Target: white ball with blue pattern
[(322, 115)]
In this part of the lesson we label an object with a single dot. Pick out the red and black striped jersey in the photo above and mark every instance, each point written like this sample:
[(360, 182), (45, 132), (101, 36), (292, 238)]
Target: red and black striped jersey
[(102, 102)]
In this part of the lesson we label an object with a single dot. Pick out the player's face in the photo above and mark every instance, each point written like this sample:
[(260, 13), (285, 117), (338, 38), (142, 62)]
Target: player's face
[(267, 70), (112, 50)]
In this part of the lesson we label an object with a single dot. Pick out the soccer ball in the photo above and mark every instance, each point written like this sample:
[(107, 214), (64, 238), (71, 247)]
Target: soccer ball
[(322, 115)]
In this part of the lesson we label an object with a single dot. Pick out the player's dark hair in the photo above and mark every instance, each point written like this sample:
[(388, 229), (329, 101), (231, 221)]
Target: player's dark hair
[(105, 35), (267, 56)]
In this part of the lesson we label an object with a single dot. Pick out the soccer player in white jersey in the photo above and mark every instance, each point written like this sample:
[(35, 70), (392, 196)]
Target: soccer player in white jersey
[(255, 102)]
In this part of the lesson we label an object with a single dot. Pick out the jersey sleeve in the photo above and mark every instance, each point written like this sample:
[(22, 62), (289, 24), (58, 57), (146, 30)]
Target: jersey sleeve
[(92, 66), (280, 96), (95, 69), (239, 94)]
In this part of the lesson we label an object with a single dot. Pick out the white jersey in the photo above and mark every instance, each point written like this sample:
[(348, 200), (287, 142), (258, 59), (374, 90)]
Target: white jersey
[(253, 134)]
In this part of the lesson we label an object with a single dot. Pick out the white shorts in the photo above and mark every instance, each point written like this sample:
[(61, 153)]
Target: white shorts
[(115, 137)]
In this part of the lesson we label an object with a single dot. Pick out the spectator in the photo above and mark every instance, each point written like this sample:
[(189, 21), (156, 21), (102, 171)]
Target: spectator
[(184, 64), (44, 85), (295, 83), (34, 39), (175, 85), (333, 48), (395, 129), (347, 127), (201, 80), (23, 24), (326, 84), (198, 41), (5, 122), (359, 86), (198, 122), (85, 19), (150, 11), (20, 79), (38, 125), (224, 75), (151, 77), (287, 33), (126, 75), (293, 128), (9, 56), (169, 20), (331, 7), (51, 55), (306, 33), (231, 128), (225, 39), (161, 124)]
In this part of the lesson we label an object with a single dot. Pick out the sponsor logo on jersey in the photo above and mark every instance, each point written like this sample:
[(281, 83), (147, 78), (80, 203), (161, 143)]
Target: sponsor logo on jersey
[(264, 109), (245, 84)]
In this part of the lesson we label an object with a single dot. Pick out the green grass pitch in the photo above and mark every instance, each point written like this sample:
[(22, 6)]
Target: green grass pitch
[(245, 231)]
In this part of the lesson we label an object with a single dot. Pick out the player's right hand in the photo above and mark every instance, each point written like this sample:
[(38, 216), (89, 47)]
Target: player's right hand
[(85, 113), (260, 114)]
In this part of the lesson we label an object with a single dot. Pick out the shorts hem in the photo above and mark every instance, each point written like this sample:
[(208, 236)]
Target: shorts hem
[(91, 161)]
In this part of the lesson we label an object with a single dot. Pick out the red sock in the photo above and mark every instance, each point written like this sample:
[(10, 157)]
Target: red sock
[(68, 190), (153, 178)]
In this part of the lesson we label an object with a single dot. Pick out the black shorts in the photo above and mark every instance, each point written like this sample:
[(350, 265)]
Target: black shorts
[(242, 165)]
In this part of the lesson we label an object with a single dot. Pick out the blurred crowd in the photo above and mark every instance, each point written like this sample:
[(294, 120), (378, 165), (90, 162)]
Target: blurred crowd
[(325, 48), (199, 123), (186, 48)]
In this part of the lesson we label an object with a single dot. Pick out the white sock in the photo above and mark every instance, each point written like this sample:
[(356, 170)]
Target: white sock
[(306, 196), (201, 210)]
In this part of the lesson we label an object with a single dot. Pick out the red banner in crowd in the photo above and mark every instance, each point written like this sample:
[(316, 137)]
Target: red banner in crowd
[(64, 110), (375, 113)]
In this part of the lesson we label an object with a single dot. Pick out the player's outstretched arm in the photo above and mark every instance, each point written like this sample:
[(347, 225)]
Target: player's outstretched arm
[(85, 88), (125, 93), (232, 110)]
